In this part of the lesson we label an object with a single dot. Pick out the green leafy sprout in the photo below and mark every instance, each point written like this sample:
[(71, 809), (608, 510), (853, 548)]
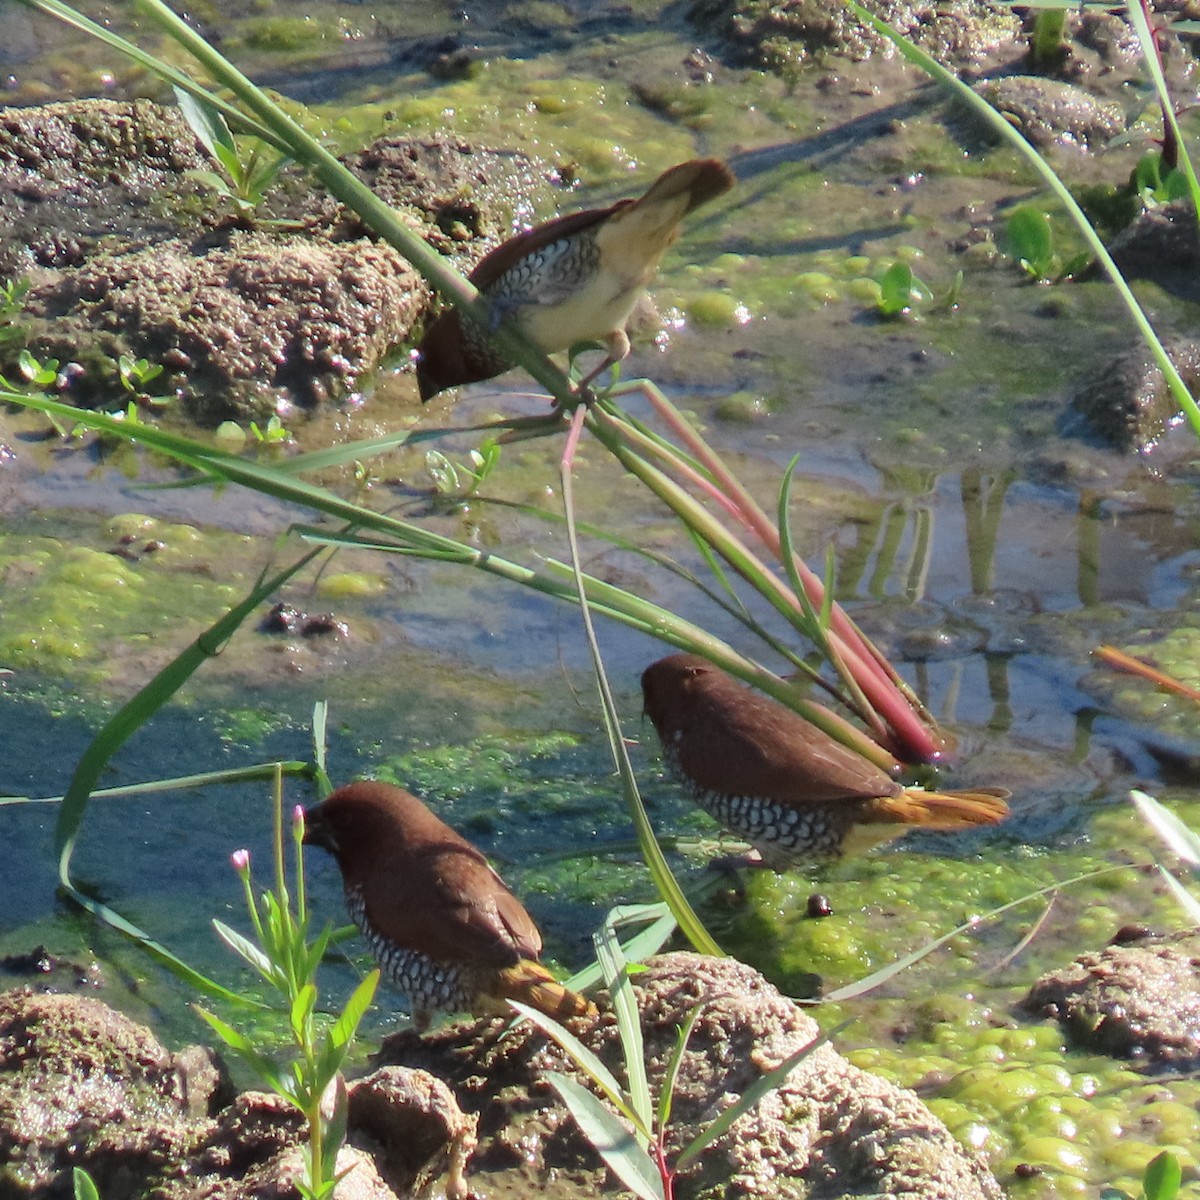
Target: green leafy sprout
[(462, 479), (630, 1131), (282, 953), (251, 167)]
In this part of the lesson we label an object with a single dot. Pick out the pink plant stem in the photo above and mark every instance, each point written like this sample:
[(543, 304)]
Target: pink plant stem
[(872, 672)]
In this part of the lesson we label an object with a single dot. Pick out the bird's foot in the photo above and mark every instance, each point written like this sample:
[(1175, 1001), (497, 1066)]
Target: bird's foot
[(730, 864)]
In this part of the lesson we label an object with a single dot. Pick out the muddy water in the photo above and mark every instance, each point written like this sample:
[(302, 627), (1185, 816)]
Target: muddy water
[(985, 552)]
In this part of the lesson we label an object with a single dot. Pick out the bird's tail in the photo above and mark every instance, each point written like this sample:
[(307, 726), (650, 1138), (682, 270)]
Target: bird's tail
[(532, 984), (696, 181), (941, 810)]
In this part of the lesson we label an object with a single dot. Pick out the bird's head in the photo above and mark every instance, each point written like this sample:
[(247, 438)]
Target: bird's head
[(441, 358), (363, 821), (666, 685)]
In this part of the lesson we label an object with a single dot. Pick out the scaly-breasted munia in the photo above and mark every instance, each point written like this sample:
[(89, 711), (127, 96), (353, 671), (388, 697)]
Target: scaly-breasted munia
[(776, 780), (573, 279), (438, 919)]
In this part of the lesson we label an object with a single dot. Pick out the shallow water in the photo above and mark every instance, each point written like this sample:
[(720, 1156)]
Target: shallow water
[(986, 554)]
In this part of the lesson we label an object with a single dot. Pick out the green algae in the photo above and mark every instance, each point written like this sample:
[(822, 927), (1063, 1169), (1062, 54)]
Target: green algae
[(83, 608), (1005, 1082)]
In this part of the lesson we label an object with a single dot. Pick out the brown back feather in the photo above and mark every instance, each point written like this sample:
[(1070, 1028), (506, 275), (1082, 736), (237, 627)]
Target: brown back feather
[(738, 742), (424, 886)]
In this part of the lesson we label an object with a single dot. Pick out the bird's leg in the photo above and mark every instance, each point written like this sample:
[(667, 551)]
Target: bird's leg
[(617, 344), (731, 864)]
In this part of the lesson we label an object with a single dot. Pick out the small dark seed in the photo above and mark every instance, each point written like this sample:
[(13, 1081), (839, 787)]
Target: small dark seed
[(819, 906)]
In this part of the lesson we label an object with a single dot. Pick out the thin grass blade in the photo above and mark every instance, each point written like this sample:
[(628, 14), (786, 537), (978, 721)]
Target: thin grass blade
[(1178, 838), (584, 1058), (622, 1152)]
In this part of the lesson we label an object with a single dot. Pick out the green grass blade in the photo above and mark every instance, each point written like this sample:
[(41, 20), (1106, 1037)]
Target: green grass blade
[(180, 782), (661, 925), (623, 1154), (656, 863), (584, 1058), (85, 1187), (131, 717), (666, 1097), (1178, 837), (1187, 901), (629, 1024), (877, 978), (1150, 55)]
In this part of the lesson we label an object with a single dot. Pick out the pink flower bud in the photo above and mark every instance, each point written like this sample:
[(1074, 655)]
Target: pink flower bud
[(240, 860), (298, 817)]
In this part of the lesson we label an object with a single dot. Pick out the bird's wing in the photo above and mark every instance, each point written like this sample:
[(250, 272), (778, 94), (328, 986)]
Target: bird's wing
[(453, 906), (494, 264), (760, 747)]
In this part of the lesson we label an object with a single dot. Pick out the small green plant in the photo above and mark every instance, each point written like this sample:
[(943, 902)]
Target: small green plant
[(460, 480), (1031, 243), (1161, 1180), (36, 372), (639, 1158), (1154, 182), (136, 375), (1047, 43), (273, 433), (251, 167), (901, 291), (283, 955)]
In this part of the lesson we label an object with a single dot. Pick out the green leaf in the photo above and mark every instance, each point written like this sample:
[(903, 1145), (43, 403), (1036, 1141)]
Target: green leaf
[(248, 950), (666, 1095), (583, 1058), (302, 1011), (896, 290), (621, 1151), (335, 1129), (207, 124), (85, 1188), (345, 1027), (1032, 240), (1163, 1177), (629, 1021), (230, 1036)]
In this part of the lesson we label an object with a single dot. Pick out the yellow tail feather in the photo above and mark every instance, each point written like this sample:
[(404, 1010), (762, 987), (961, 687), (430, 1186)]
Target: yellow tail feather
[(532, 984), (941, 810)]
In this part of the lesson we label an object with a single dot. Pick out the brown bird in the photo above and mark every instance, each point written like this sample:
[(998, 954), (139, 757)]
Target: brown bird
[(573, 279), (438, 919), (778, 781)]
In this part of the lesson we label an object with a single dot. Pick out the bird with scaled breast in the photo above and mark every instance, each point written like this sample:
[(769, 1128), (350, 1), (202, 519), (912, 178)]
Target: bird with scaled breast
[(780, 783), (440, 922), (574, 279)]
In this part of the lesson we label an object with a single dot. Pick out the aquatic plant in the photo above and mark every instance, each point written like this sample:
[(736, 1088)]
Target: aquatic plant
[(640, 1160), (251, 166), (1031, 242), (287, 959)]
